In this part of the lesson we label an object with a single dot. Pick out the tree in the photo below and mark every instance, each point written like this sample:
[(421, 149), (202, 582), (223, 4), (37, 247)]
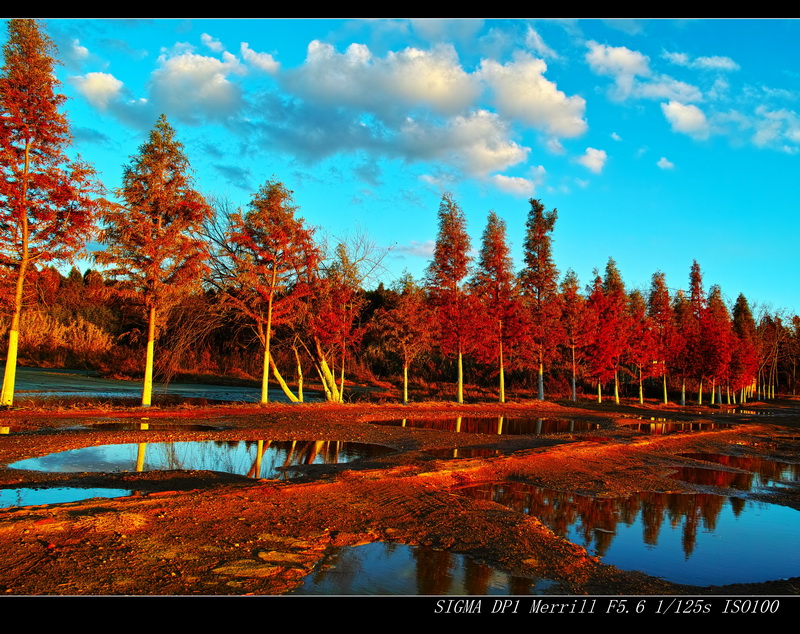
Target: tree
[(47, 202), (539, 287), (665, 336), (494, 288), (273, 254), (405, 327), (152, 240), (444, 279), (576, 322)]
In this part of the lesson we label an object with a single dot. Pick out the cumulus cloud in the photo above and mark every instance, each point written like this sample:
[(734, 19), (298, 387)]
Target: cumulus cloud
[(522, 93), (518, 185), (665, 164), (263, 61), (387, 85), (478, 143), (513, 185), (619, 62), (194, 87), (687, 119), (212, 43), (594, 160), (98, 88)]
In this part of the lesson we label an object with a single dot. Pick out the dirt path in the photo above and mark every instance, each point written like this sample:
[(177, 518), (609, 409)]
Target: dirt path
[(210, 533)]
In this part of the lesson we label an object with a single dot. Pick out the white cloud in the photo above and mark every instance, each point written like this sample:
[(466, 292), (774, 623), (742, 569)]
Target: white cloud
[(686, 118), (594, 160), (98, 88), (388, 85), (262, 61), (513, 185), (633, 77), (616, 136), (535, 42), (415, 249), (665, 164), (621, 63), (477, 144), (665, 87), (193, 86), (702, 63), (522, 93), (212, 43)]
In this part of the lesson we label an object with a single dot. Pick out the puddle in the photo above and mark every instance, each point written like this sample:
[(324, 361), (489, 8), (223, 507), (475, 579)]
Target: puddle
[(464, 452), (132, 426), (699, 539), (497, 425), (384, 568), (762, 472), (58, 495), (256, 459), (663, 428)]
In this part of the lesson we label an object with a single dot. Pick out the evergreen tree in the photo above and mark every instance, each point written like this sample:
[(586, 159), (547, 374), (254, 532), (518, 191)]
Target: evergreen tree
[(539, 287), (493, 286), (47, 202), (444, 280), (152, 240)]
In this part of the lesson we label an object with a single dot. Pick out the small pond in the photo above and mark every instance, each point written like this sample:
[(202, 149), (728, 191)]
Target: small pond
[(384, 568), (699, 539), (497, 425), (255, 459)]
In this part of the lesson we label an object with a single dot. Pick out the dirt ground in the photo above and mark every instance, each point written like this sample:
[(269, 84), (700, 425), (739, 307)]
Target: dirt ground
[(210, 533)]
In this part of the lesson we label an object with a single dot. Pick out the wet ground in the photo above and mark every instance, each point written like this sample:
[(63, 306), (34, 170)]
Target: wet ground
[(180, 529)]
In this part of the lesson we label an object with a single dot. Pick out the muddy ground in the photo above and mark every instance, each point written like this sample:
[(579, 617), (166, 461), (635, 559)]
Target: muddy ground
[(209, 533)]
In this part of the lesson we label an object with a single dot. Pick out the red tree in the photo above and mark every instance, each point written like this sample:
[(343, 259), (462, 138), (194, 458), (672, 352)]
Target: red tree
[(273, 255), (444, 280), (539, 287), (153, 240), (662, 323), (405, 327), (494, 288), (47, 202)]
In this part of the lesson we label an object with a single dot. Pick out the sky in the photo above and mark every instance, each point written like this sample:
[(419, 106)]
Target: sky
[(659, 142)]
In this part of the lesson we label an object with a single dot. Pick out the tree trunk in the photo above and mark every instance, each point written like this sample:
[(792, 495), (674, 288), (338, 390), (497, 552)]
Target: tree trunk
[(10, 375), (574, 390), (147, 389), (666, 400), (286, 390), (460, 377), (541, 381), (405, 383), (616, 387), (502, 376), (599, 392)]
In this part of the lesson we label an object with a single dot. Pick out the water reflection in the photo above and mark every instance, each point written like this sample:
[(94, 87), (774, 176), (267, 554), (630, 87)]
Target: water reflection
[(26, 496), (384, 568), (664, 428), (255, 459), (464, 452), (497, 425), (698, 539), (763, 472)]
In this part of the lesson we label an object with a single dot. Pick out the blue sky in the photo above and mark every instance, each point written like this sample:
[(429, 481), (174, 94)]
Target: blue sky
[(658, 141)]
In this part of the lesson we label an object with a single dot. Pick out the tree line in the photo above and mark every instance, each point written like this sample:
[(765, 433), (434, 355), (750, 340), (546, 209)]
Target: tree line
[(185, 283)]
